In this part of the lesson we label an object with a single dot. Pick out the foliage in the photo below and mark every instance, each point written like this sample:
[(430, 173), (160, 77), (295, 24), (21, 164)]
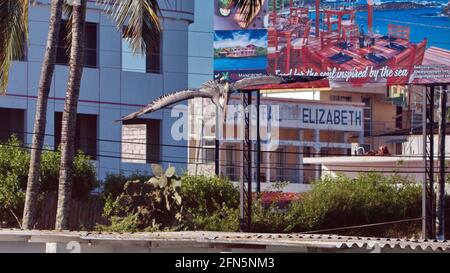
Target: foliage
[(209, 202), (212, 203), (14, 164), (13, 35), (85, 179), (221, 219), (128, 223), (367, 199), (203, 194), (271, 219), (150, 205), (114, 182)]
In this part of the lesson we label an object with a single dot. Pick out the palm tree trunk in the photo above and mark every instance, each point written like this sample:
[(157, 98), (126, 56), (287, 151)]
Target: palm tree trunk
[(70, 116), (48, 67)]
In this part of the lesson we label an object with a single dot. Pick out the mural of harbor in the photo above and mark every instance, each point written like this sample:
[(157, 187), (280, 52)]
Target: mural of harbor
[(241, 53), (357, 43)]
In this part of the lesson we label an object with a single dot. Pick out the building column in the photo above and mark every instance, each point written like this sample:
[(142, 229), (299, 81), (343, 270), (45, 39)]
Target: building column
[(361, 137), (300, 158), (317, 152), (267, 167)]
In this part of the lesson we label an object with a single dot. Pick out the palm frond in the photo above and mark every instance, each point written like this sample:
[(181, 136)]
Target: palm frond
[(138, 20), (68, 11), (248, 8), (13, 35)]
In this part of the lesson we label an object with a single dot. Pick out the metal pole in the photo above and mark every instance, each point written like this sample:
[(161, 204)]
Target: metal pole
[(258, 143), (440, 202), (431, 206), (217, 143), (428, 199), (249, 164), (425, 175)]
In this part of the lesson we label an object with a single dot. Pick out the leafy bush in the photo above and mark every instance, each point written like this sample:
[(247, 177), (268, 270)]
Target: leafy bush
[(209, 203), (212, 203), (369, 198), (14, 164), (149, 205), (114, 182), (268, 220), (84, 180), (221, 219)]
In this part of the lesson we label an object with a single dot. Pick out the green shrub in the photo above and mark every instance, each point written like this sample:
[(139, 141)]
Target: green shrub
[(268, 220), (84, 179), (128, 223), (114, 182), (369, 198), (151, 205), (209, 202), (222, 219), (204, 194), (14, 164), (212, 204)]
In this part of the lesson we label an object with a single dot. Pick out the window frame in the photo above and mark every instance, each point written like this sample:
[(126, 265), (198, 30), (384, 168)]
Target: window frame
[(146, 69), (66, 55), (149, 146), (58, 116)]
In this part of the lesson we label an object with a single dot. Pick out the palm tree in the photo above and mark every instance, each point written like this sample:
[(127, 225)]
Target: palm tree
[(140, 21), (48, 67), (69, 119), (13, 35), (249, 8)]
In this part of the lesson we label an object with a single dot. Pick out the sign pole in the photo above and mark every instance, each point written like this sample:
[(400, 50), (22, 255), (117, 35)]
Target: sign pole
[(440, 202)]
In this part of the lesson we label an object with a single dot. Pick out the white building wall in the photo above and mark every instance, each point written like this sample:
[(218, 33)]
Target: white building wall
[(413, 145), (106, 91)]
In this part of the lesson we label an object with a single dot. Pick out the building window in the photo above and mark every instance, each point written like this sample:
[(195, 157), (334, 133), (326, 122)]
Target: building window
[(85, 135), (12, 122), (398, 148), (399, 118), (90, 45), (141, 141), (150, 63), (231, 170), (367, 116), (209, 150), (281, 164), (340, 98)]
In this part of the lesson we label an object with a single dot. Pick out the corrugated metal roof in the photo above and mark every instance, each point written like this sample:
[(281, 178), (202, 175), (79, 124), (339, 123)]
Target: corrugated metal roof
[(242, 239)]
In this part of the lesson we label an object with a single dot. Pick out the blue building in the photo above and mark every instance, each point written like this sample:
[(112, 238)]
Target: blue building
[(115, 83)]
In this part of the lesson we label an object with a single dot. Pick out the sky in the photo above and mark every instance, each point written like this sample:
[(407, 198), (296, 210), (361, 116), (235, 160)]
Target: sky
[(232, 38)]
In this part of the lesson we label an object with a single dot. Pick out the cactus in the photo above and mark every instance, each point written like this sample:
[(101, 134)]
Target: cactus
[(156, 202)]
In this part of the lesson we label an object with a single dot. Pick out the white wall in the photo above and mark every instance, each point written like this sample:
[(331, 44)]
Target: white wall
[(414, 145)]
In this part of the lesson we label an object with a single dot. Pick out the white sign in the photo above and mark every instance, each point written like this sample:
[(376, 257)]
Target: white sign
[(323, 117)]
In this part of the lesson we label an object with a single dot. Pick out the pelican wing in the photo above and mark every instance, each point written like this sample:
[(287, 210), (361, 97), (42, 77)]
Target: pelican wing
[(167, 100), (263, 80), (254, 81)]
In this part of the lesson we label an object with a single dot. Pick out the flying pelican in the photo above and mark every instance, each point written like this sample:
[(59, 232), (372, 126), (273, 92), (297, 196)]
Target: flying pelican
[(216, 90)]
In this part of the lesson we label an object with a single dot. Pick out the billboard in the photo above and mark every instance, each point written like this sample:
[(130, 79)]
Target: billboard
[(353, 42), (240, 53)]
